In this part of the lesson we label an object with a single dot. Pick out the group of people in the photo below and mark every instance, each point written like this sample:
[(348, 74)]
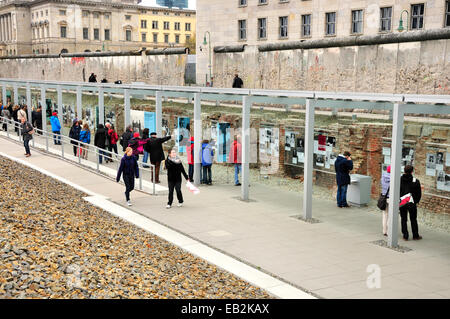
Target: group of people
[(408, 185)]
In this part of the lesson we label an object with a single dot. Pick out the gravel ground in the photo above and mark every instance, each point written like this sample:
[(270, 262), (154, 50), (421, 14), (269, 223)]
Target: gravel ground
[(53, 244)]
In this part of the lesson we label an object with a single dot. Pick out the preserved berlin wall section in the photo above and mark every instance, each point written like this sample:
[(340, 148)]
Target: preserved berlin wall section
[(421, 67), (156, 67)]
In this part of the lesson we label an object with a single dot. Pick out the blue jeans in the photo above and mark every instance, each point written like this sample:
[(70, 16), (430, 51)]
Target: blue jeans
[(145, 159), (342, 195), (237, 169), (100, 157), (57, 137)]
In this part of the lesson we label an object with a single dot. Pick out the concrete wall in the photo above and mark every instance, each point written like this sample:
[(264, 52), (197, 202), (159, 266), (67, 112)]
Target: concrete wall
[(414, 67), (151, 69)]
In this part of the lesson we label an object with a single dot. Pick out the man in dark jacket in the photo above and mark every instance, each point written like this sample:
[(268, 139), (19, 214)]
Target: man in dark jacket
[(100, 142), (74, 134), (126, 137), (155, 150), (26, 129), (410, 184), (92, 78), (237, 82), (37, 118), (343, 166)]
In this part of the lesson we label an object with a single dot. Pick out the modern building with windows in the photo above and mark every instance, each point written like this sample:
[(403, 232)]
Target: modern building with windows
[(163, 27), (61, 26), (255, 22), (181, 4)]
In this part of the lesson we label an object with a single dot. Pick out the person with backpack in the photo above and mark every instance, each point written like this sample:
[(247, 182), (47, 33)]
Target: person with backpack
[(343, 166), (175, 168), (56, 128), (85, 139), (129, 169), (410, 187), (27, 131), (74, 134), (207, 160)]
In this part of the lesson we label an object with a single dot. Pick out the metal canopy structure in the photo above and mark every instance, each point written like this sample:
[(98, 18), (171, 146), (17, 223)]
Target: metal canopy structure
[(399, 104)]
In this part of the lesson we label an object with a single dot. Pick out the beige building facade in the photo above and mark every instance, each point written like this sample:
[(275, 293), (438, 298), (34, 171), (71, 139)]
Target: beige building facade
[(256, 22), (68, 26)]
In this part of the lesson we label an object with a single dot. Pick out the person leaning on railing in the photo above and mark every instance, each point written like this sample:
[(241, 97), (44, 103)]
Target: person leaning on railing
[(74, 134), (85, 139), (56, 128)]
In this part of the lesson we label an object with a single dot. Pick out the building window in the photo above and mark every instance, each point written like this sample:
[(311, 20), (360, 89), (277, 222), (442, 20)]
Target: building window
[(96, 15), (155, 37), (107, 35), (262, 1), (154, 24), (166, 13), (177, 14), (242, 3), (188, 37), (61, 13), (85, 13), (46, 14), (357, 21), (144, 24), (306, 25), (242, 25), (187, 27), (106, 16), (330, 23), (166, 38), (144, 37), (188, 14), (177, 26), (96, 34), (385, 19), (417, 11), (127, 17), (166, 25), (177, 38), (128, 35), (447, 14), (262, 28), (85, 34), (283, 27), (155, 12), (63, 31)]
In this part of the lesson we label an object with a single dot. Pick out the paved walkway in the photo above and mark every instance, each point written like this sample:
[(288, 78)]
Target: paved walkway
[(329, 258)]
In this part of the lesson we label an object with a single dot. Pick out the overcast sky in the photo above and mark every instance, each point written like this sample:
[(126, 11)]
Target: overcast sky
[(192, 3)]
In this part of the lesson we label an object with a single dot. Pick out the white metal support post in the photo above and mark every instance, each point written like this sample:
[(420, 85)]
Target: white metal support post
[(394, 187), (308, 163), (158, 111), (28, 94), (16, 94), (101, 106), (245, 144), (127, 106), (79, 103), (197, 137), (43, 109), (60, 105), (4, 98)]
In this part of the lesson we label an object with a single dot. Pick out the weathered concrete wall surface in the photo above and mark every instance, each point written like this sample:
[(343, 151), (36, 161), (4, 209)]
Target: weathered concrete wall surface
[(414, 67), (151, 69)]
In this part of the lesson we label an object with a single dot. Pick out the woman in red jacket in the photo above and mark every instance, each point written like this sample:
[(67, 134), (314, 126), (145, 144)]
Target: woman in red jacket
[(236, 158), (113, 137)]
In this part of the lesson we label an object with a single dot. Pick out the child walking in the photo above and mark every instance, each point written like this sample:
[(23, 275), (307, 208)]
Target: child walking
[(175, 168), (129, 168)]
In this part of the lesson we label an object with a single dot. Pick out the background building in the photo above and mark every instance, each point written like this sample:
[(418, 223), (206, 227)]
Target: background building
[(256, 22), (61, 26)]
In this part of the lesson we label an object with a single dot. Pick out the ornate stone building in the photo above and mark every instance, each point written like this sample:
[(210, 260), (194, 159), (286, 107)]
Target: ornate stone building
[(259, 22), (59, 26)]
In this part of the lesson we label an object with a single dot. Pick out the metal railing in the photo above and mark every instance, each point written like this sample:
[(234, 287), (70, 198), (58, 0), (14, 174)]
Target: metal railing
[(82, 151)]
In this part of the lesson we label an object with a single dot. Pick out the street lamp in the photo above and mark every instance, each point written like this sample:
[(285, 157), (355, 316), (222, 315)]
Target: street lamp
[(209, 43), (400, 23)]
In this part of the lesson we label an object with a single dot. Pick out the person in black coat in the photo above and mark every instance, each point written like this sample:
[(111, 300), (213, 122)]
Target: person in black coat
[(175, 168), (92, 78), (37, 118), (237, 82), (100, 142), (74, 134), (410, 184), (155, 150), (343, 166), (130, 169), (126, 137)]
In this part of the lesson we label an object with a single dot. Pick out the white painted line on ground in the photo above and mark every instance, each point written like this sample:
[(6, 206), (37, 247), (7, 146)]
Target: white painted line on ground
[(258, 278)]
